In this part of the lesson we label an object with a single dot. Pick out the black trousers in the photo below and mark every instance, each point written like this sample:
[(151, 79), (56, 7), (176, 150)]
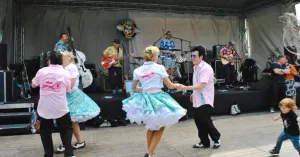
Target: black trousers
[(65, 129), (229, 74), (205, 125), (278, 89), (115, 77)]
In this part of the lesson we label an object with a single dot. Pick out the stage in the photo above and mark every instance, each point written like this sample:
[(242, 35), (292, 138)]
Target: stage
[(248, 101)]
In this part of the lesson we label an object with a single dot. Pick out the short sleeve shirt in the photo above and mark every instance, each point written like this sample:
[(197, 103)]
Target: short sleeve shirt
[(150, 75), (203, 73), (72, 69), (54, 82), (276, 77)]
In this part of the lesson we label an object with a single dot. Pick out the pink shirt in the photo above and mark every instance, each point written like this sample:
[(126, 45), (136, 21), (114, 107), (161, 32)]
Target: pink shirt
[(54, 82), (203, 73)]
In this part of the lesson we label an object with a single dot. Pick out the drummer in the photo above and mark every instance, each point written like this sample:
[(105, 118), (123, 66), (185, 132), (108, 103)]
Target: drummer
[(166, 45)]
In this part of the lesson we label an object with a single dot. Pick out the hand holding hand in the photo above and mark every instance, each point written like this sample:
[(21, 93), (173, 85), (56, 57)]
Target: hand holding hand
[(287, 71), (181, 87), (191, 98)]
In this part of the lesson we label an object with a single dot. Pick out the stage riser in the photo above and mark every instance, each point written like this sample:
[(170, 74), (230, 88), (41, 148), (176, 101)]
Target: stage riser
[(248, 101)]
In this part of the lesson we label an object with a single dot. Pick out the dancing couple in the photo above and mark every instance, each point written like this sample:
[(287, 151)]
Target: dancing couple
[(62, 101), (159, 110)]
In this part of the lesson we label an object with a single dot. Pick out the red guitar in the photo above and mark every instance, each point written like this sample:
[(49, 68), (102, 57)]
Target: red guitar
[(108, 61)]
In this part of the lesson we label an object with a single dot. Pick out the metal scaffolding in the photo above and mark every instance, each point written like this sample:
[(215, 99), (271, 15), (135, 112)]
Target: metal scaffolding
[(131, 6), (18, 55)]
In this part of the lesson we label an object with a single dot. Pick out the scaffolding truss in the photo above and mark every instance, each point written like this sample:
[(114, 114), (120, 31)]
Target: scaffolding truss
[(131, 6)]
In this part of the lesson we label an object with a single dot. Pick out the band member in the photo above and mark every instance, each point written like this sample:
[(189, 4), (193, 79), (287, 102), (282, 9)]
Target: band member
[(224, 53), (152, 106), (115, 71), (167, 44), (62, 45), (54, 83), (203, 99), (81, 106)]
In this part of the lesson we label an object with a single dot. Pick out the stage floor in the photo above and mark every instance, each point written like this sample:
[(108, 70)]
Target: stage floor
[(247, 135)]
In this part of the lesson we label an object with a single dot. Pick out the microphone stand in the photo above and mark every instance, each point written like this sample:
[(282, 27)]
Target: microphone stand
[(158, 39), (123, 61)]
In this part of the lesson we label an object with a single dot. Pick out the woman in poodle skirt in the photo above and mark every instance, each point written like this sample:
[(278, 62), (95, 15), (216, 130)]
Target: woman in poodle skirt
[(81, 106), (152, 106)]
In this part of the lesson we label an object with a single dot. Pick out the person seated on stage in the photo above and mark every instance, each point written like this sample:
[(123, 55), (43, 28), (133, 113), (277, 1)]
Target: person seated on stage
[(115, 71), (54, 82), (268, 70), (167, 44), (62, 45)]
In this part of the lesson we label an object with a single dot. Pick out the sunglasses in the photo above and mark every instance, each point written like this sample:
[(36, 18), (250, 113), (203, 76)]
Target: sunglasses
[(193, 56)]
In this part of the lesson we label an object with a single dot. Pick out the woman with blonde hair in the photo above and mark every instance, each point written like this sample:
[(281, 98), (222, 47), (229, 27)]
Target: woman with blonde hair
[(152, 106), (82, 107)]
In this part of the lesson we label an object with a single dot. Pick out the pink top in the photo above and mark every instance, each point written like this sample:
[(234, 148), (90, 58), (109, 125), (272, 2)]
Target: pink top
[(203, 73), (54, 83)]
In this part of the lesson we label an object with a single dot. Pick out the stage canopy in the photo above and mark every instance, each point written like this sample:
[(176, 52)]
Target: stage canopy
[(93, 23)]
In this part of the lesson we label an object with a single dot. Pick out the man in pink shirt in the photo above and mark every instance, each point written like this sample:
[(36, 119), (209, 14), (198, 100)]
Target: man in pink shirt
[(203, 99), (54, 83)]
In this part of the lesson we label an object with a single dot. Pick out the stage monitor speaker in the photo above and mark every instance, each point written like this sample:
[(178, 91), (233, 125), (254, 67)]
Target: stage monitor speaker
[(263, 84), (188, 67), (3, 58), (219, 69), (6, 86), (216, 51), (287, 52)]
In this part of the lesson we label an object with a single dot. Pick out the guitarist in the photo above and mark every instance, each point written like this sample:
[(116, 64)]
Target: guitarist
[(224, 53), (115, 71)]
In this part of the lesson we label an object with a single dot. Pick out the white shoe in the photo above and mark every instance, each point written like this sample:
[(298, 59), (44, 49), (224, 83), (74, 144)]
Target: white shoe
[(79, 145)]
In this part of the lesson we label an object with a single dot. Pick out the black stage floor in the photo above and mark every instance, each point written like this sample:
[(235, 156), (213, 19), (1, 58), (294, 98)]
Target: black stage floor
[(248, 101)]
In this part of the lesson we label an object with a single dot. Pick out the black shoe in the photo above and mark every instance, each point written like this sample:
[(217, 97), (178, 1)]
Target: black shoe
[(274, 151), (199, 145), (217, 144), (61, 149)]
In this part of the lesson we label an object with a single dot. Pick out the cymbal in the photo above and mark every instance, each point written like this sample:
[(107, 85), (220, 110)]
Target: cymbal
[(139, 58)]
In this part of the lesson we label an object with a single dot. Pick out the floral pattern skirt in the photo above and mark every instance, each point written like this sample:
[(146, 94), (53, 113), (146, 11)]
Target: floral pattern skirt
[(81, 106), (156, 110)]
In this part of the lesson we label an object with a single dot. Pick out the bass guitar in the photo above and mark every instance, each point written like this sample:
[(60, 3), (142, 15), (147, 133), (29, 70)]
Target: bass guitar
[(86, 75)]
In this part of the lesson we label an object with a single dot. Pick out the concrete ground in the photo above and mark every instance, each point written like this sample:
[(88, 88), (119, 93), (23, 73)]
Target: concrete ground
[(247, 135)]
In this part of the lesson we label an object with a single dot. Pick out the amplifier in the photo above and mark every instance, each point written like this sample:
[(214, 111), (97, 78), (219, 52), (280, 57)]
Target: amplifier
[(104, 82), (220, 70), (6, 86)]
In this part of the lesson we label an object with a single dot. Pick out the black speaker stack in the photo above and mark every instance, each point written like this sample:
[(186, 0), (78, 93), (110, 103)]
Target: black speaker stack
[(3, 58), (219, 69)]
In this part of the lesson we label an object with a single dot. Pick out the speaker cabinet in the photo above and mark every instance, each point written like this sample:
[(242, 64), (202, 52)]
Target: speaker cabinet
[(216, 51), (3, 58), (6, 86), (220, 70)]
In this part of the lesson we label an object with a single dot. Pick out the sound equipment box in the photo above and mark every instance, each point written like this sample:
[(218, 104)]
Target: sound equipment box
[(3, 58), (6, 86), (104, 82), (216, 51), (219, 69)]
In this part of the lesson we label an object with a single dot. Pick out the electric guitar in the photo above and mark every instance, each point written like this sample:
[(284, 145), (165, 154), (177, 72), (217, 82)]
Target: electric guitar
[(108, 61)]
